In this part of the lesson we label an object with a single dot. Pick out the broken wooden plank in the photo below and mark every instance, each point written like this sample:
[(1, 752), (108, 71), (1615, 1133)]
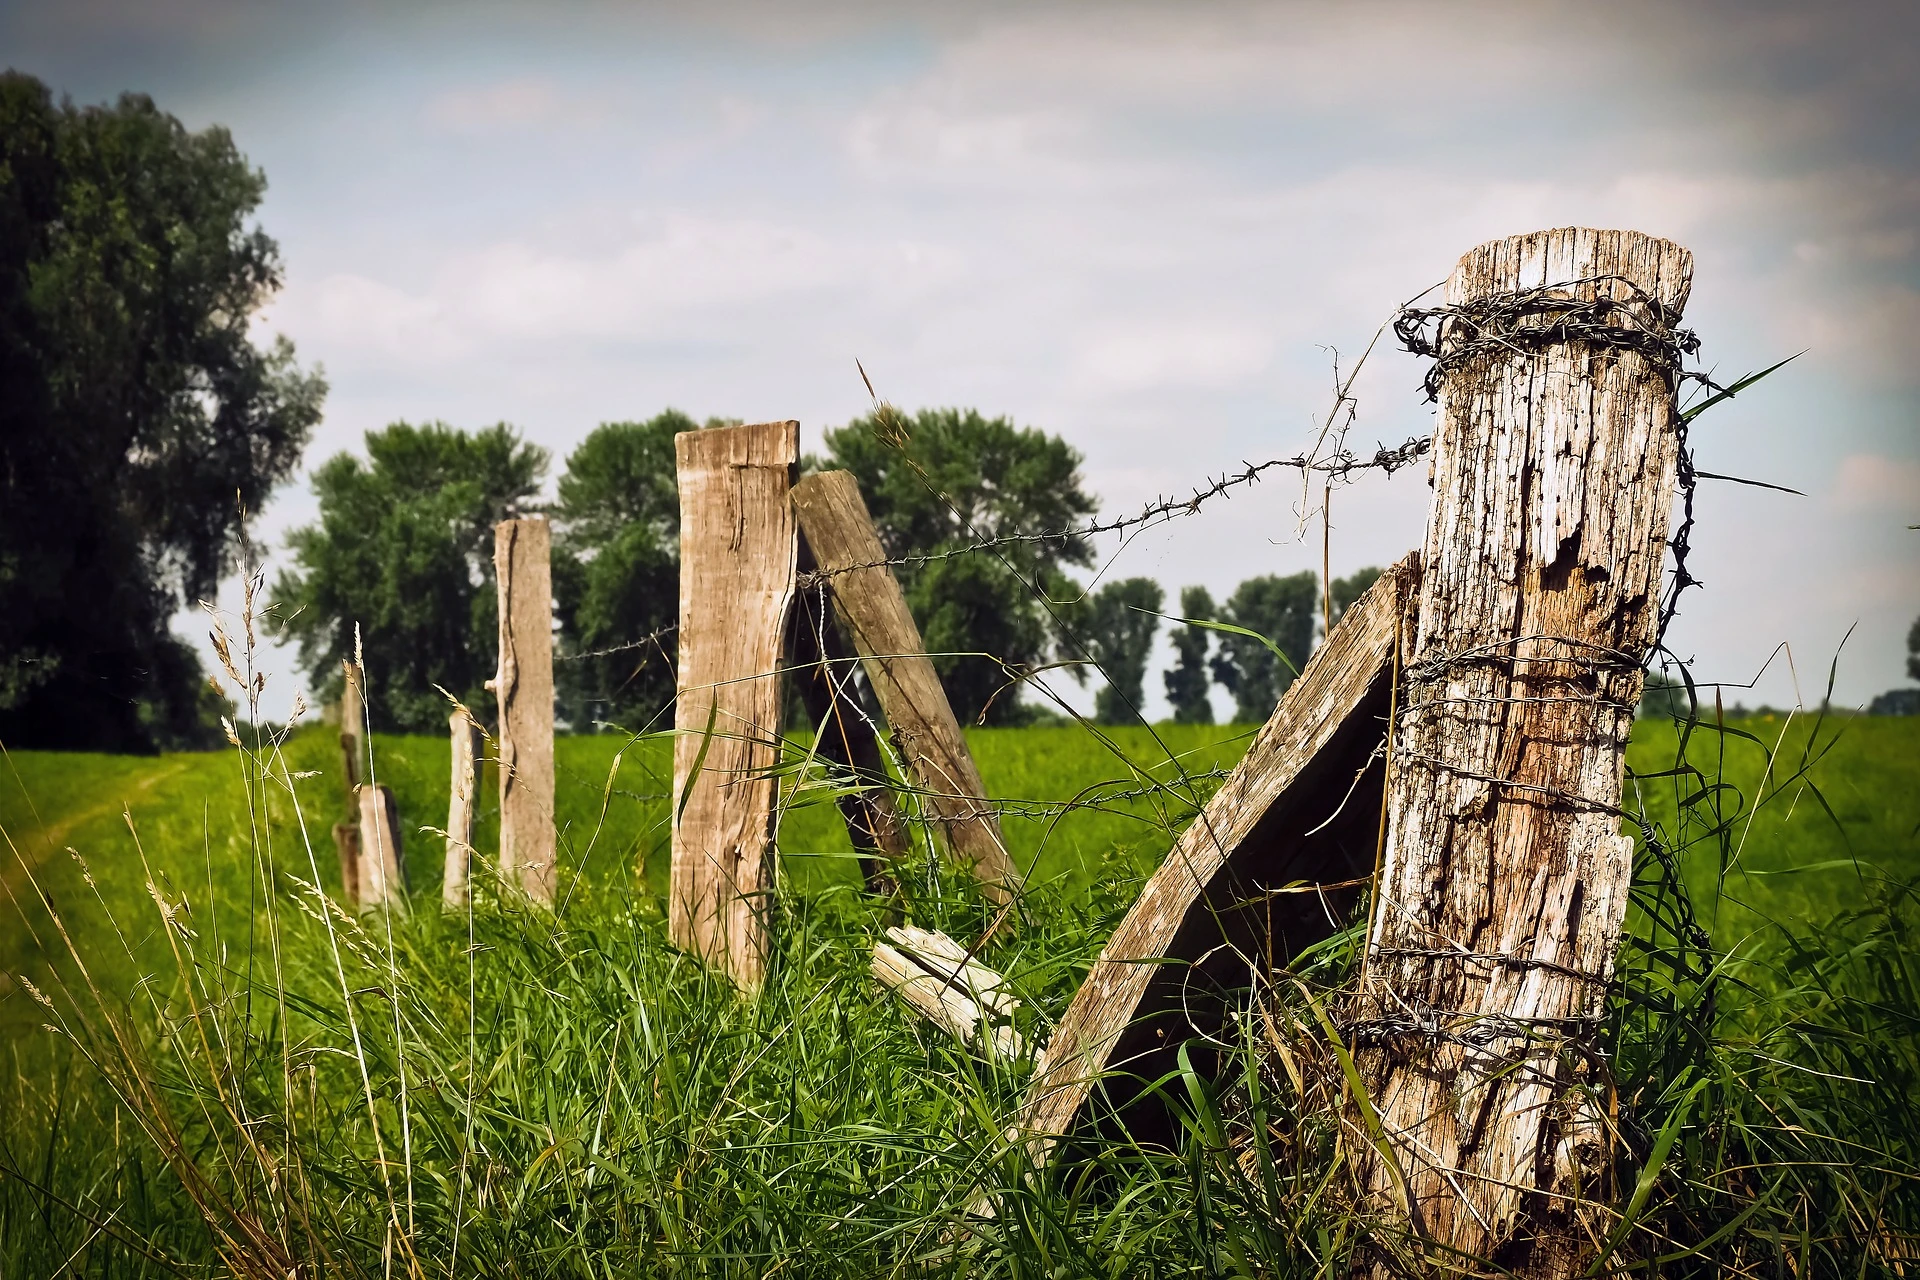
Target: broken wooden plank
[(945, 1002), (947, 959), (1301, 810), (463, 793), (523, 572), (868, 600), (382, 879), (738, 559), (826, 673)]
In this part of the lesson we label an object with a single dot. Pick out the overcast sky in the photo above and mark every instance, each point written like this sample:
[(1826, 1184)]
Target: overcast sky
[(1143, 227)]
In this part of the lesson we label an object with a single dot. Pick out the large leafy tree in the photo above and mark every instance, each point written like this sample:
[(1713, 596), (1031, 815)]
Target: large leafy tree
[(1280, 611), (617, 571), (1115, 626), (1187, 680), (946, 478), (403, 550), (139, 422), (1349, 589)]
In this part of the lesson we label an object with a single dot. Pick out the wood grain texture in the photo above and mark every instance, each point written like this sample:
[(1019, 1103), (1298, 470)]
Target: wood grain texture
[(463, 794), (1506, 875), (868, 600), (382, 878), (846, 736), (1302, 807), (523, 570), (738, 559)]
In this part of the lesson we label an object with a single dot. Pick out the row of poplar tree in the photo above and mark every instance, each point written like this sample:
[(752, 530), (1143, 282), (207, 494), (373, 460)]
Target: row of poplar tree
[(403, 545)]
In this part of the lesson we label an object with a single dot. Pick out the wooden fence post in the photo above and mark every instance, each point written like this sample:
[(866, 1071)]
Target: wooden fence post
[(346, 842), (353, 728), (868, 599), (738, 553), (383, 879), (462, 791), (1505, 877), (524, 687)]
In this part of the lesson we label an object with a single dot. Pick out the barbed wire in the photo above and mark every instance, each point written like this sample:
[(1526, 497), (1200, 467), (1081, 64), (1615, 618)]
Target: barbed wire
[(1339, 465), (651, 638)]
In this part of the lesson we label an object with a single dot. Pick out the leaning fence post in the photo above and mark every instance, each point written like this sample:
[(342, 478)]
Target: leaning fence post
[(737, 566), (346, 842), (1505, 877), (462, 790), (524, 686), (382, 877), (867, 597)]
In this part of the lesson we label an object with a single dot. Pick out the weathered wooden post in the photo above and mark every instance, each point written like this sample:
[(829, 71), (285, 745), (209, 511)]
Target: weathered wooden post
[(738, 550), (868, 599), (463, 790), (346, 842), (383, 881), (353, 726), (524, 687), (1505, 876)]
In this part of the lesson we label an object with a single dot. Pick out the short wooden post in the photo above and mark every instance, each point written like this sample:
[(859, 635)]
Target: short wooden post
[(826, 675), (463, 790), (524, 686), (383, 879), (868, 599), (1506, 873), (1302, 808), (738, 553), (353, 731), (346, 841)]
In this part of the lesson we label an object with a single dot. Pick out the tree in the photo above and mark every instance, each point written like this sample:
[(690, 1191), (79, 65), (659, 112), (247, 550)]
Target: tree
[(1282, 611), (1187, 681), (942, 480), (616, 571), (1115, 625), (139, 424), (1346, 590), (404, 549)]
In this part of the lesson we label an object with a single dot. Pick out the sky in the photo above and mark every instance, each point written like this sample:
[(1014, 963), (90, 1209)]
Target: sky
[(1155, 230)]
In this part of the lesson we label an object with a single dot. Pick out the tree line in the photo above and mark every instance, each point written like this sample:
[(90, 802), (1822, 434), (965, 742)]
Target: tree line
[(142, 426), (403, 550)]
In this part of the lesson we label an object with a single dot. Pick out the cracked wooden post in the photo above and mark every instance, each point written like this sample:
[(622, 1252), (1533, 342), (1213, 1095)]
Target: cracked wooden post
[(868, 599), (383, 880), (463, 790), (524, 686), (346, 842), (738, 550), (1505, 877)]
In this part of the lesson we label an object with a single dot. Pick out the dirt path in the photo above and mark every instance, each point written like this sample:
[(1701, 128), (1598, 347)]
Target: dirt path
[(31, 851)]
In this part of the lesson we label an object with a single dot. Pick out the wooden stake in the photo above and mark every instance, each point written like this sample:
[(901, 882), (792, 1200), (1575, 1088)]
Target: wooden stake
[(826, 675), (463, 791), (383, 879), (1505, 879), (346, 840), (738, 552), (353, 730), (524, 686), (868, 599), (1300, 809)]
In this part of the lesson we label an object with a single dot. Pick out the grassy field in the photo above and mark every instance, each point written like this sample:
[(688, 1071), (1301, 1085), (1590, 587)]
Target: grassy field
[(513, 1094)]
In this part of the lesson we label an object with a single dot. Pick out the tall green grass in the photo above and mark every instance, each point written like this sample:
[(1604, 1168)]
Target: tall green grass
[(242, 1079)]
